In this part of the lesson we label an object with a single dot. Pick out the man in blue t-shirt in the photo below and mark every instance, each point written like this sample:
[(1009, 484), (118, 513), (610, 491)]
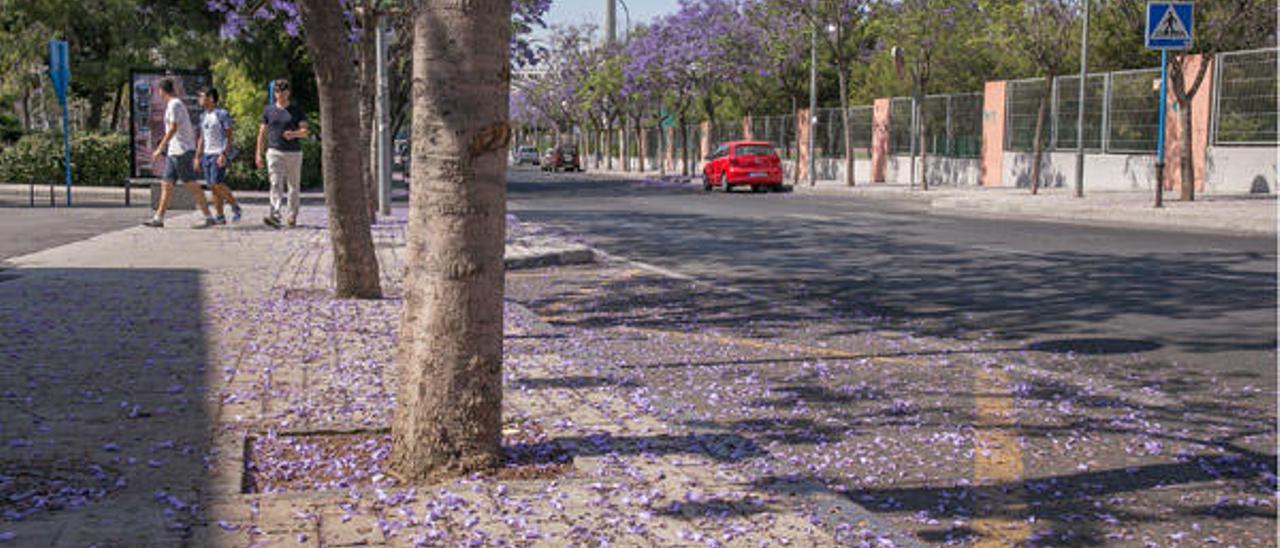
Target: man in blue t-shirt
[(214, 150), (279, 134)]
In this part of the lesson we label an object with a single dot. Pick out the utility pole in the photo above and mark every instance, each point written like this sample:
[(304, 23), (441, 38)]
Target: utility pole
[(1084, 75), (383, 115), (610, 22)]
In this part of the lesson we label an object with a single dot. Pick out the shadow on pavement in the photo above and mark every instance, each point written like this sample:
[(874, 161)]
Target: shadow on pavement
[(102, 386)]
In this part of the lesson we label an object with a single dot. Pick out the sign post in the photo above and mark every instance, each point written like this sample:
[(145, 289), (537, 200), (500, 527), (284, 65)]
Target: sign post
[(60, 73), (1169, 27)]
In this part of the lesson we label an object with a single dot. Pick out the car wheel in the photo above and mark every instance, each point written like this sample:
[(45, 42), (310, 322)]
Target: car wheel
[(706, 183), (724, 182)]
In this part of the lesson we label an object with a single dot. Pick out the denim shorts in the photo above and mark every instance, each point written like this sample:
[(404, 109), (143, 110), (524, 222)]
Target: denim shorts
[(179, 168), (213, 175)]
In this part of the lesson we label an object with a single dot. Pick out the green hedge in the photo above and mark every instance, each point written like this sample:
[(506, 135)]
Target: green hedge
[(97, 159), (103, 160)]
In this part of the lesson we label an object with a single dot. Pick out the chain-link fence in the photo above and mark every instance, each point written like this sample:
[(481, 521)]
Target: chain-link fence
[(900, 121), (1066, 110), (1133, 111), (1022, 111), (779, 130), (861, 122), (1247, 98), (726, 130)]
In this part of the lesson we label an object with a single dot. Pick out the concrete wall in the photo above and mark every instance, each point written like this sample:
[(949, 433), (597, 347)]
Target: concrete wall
[(1101, 171), (1239, 170)]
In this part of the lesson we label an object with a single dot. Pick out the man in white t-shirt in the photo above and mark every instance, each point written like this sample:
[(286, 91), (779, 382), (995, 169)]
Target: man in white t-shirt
[(178, 147)]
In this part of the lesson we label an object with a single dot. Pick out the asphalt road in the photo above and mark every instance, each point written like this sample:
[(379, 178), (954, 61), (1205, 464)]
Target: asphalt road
[(962, 380), (30, 229), (1194, 301)]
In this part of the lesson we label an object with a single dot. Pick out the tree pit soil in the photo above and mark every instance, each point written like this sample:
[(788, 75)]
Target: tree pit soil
[(327, 461)]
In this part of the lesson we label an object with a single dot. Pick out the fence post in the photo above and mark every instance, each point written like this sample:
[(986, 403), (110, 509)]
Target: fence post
[(1106, 113)]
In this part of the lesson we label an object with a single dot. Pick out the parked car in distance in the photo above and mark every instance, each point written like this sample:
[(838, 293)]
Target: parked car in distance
[(563, 157), (526, 154), (743, 163)]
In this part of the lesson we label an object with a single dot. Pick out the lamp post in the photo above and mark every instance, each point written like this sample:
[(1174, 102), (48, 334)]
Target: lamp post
[(813, 98)]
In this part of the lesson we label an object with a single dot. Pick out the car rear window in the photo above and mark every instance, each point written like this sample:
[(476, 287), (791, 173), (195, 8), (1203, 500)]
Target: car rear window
[(570, 150), (753, 150)]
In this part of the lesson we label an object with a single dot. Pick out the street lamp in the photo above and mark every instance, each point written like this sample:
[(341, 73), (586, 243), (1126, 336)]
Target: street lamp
[(813, 98)]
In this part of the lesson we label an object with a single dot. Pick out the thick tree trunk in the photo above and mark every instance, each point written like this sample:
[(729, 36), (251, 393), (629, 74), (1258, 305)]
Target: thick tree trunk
[(1037, 148), (355, 266), (847, 128), (448, 416)]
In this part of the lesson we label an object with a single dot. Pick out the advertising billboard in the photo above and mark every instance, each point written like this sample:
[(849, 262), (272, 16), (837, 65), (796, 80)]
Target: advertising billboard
[(146, 113)]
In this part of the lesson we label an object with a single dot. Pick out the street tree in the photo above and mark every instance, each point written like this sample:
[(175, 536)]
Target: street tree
[(774, 40), (1042, 31), (931, 34), (107, 40), (329, 33), (843, 27), (448, 416), (1220, 25)]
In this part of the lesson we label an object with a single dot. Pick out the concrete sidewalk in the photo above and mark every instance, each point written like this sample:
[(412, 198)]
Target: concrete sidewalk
[(1234, 214), (200, 387)]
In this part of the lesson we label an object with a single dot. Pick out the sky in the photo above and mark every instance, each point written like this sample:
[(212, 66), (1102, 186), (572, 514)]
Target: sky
[(574, 12)]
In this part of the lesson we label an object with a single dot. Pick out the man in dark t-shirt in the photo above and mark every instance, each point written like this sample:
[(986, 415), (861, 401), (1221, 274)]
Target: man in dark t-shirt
[(279, 133)]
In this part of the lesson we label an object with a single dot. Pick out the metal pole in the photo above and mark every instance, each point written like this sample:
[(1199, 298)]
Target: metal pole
[(66, 152), (1164, 83), (1084, 76), (610, 21), (813, 100), (912, 131), (383, 113)]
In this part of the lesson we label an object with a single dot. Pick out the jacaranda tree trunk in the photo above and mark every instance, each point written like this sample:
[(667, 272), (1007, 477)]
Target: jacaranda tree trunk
[(355, 266), (448, 416)]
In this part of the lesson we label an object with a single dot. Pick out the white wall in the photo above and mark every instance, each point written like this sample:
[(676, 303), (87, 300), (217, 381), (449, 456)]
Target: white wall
[(1114, 172), (1241, 170), (943, 171)]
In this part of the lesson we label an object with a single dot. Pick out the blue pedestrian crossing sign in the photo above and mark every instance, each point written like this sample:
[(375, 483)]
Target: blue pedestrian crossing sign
[(1170, 25)]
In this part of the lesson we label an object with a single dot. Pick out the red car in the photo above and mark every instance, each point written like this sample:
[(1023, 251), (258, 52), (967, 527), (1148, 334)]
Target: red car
[(561, 158), (743, 163)]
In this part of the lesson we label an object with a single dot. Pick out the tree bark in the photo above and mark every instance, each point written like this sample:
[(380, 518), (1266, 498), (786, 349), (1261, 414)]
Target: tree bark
[(924, 144), (848, 130), (640, 144), (448, 416), (1037, 147), (115, 107), (684, 146), (355, 266), (1185, 98)]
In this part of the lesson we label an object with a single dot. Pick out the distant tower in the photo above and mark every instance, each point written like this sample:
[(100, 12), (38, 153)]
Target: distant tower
[(610, 21)]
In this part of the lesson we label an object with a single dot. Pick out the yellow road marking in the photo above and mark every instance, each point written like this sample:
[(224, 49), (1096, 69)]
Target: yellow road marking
[(997, 461)]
